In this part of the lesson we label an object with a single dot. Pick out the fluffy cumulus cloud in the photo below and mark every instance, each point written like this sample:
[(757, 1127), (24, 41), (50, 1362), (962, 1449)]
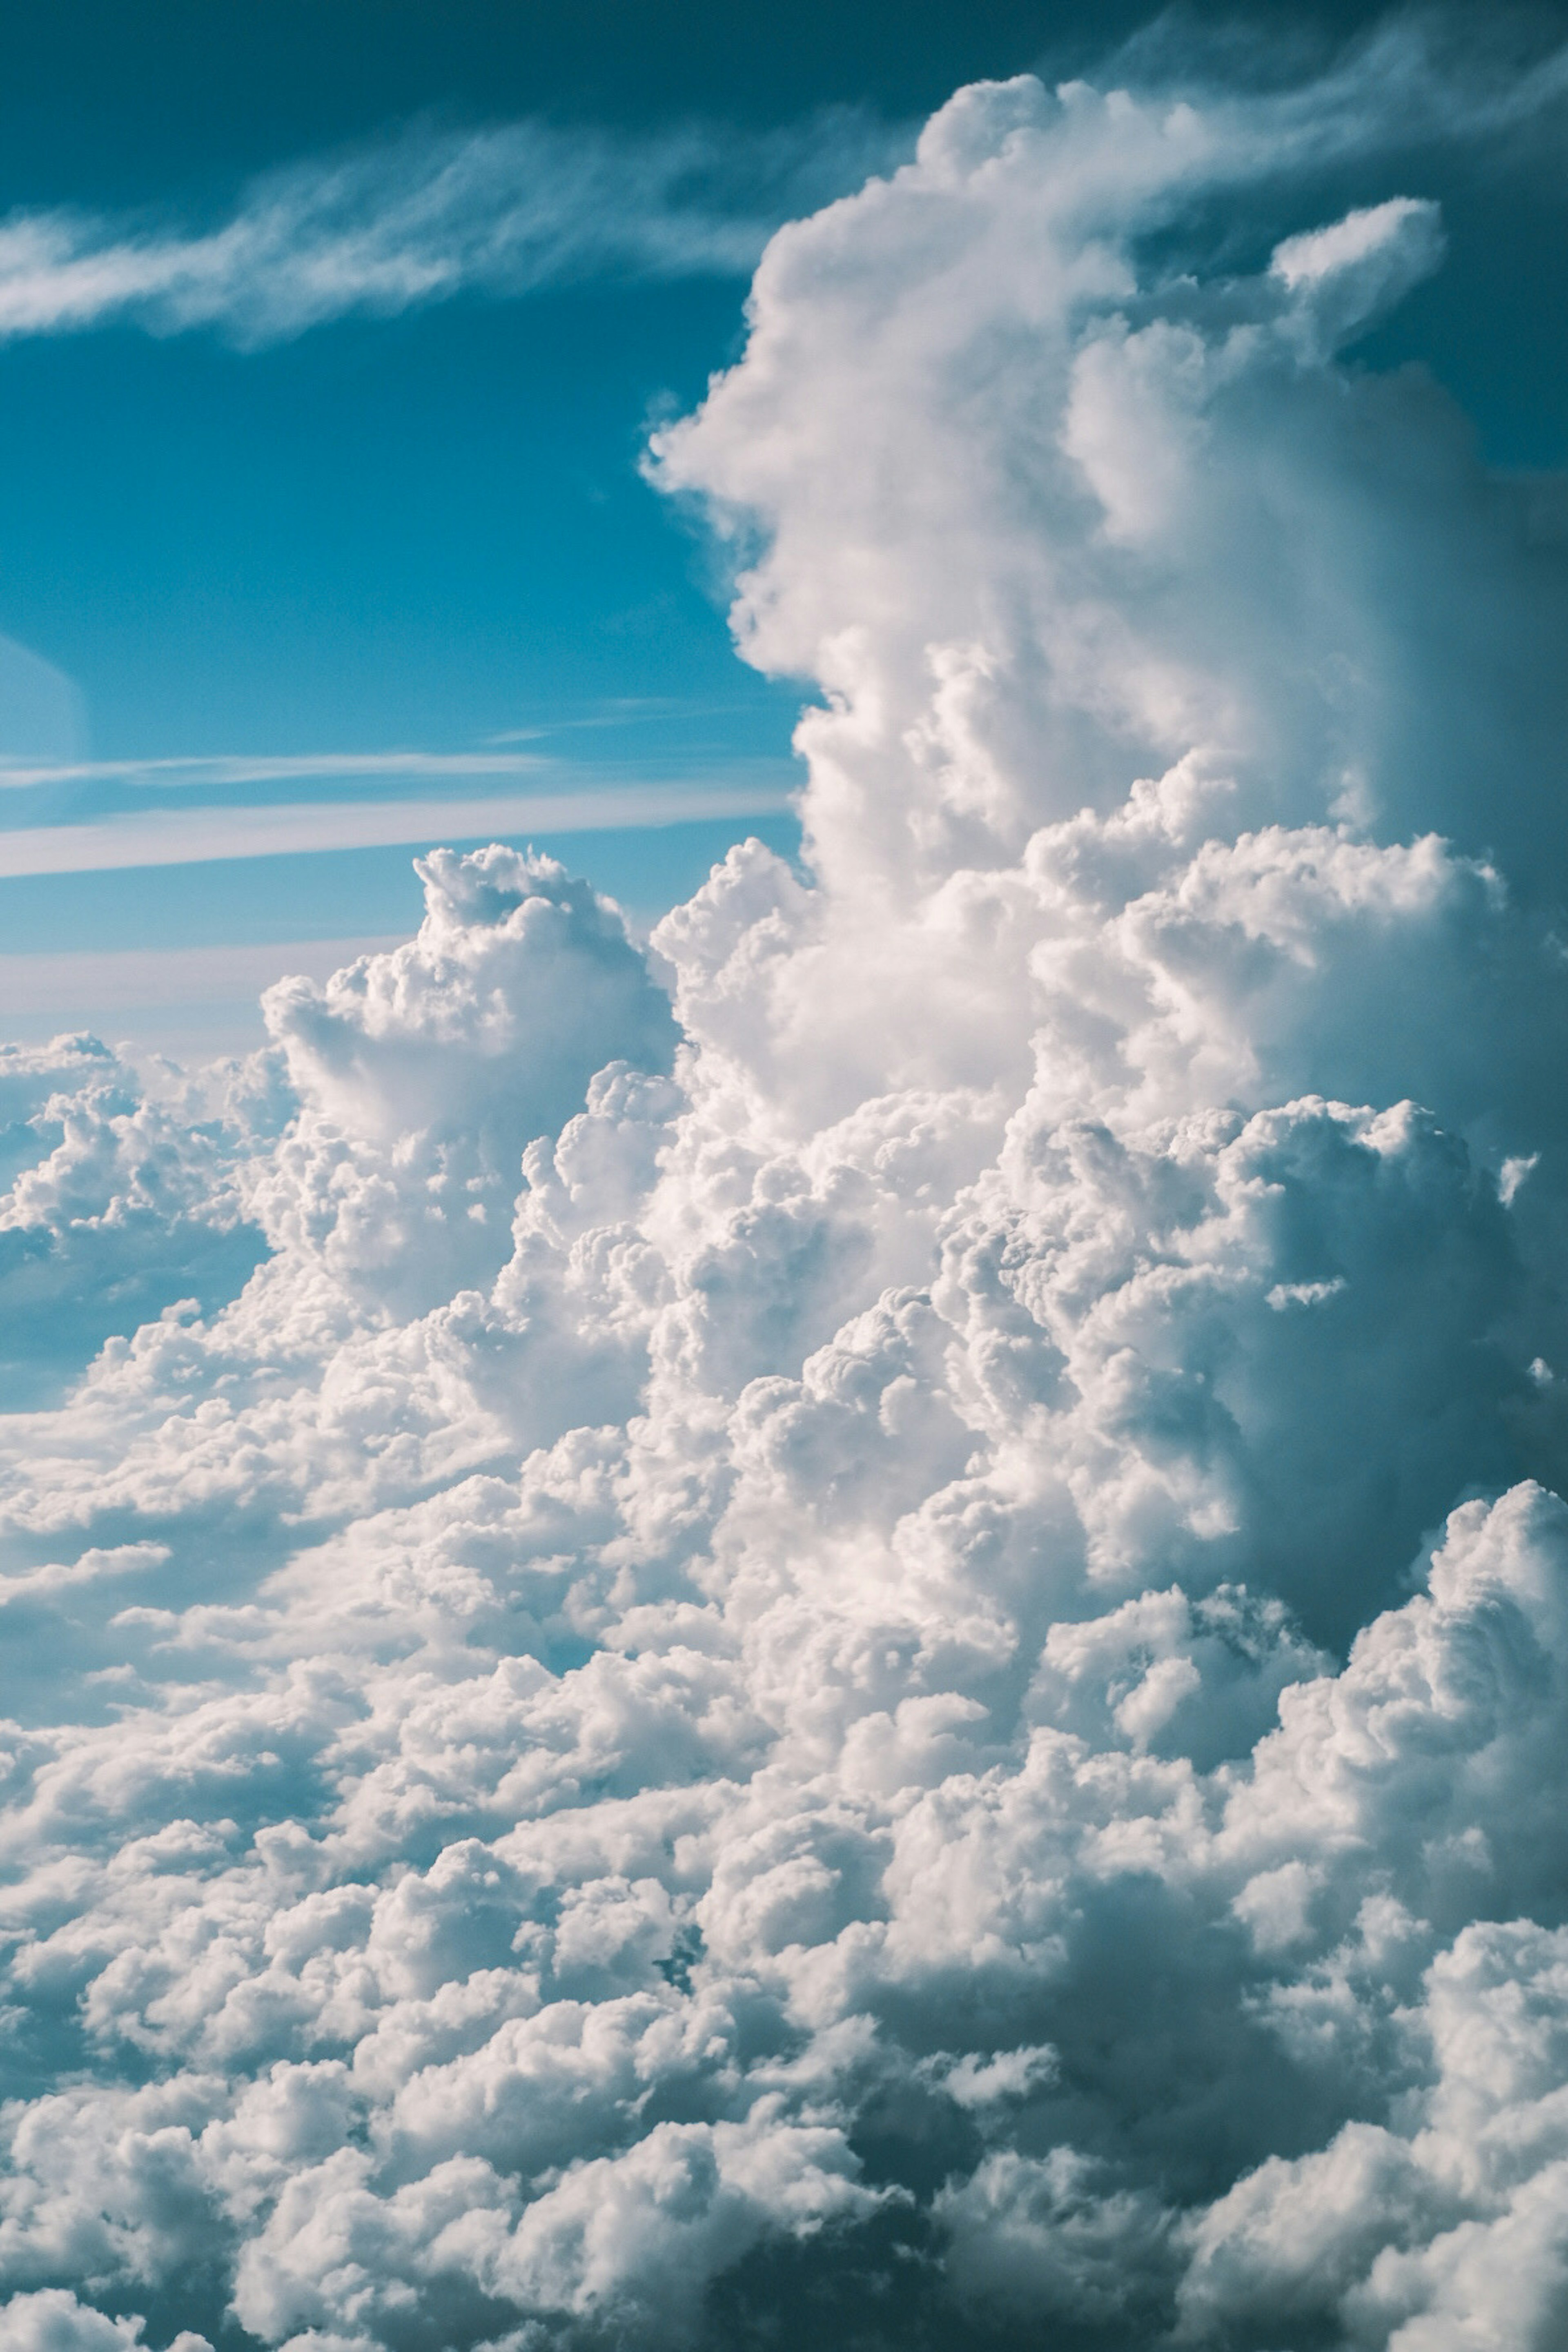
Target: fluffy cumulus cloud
[(859, 1626)]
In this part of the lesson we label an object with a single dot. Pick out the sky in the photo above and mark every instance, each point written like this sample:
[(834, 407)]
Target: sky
[(784, 1358), (409, 520)]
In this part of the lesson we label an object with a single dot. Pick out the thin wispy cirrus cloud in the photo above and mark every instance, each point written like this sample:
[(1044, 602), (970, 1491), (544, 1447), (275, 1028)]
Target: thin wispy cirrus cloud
[(232, 805), (430, 215), (853, 1627), (197, 772), (186, 835)]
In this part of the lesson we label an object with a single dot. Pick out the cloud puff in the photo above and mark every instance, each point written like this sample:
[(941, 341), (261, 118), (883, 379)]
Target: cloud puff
[(860, 1625), (422, 1073)]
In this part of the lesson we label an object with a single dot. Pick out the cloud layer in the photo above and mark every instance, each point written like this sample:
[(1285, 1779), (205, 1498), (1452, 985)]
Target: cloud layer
[(914, 1691)]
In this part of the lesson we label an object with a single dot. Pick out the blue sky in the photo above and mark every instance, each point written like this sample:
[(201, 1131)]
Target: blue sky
[(393, 550)]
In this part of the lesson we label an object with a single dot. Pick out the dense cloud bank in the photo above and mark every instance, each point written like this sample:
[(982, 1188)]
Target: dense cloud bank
[(918, 1689)]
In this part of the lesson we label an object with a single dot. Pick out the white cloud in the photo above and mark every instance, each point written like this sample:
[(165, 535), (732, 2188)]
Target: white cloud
[(163, 836), (422, 1073), (53, 2321), (422, 218), (916, 1690), (296, 767)]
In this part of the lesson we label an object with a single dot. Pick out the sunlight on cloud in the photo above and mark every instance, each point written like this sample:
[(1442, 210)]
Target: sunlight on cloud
[(856, 1630)]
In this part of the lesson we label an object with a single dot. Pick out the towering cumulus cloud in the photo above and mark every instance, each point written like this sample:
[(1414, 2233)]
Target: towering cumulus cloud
[(857, 1633)]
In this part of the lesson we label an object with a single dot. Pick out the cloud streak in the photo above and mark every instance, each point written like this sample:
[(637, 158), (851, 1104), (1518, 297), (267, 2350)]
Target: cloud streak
[(163, 836), (427, 216), (204, 772)]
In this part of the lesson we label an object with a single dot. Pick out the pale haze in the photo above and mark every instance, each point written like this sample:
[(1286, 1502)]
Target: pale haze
[(843, 1620)]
